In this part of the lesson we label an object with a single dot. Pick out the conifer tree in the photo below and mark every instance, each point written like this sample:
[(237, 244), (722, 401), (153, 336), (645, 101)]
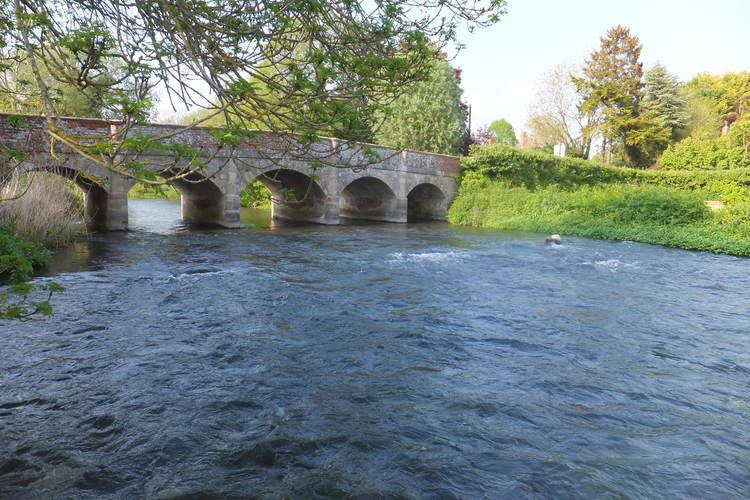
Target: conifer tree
[(663, 98), (612, 82)]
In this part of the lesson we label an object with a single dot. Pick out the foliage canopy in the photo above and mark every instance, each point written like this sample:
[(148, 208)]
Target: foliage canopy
[(428, 116), (302, 68), (504, 133)]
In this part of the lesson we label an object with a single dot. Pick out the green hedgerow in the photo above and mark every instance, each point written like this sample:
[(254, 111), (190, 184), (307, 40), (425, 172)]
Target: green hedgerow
[(506, 188)]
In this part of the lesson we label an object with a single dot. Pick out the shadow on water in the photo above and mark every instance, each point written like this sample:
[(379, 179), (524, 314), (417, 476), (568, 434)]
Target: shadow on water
[(377, 360)]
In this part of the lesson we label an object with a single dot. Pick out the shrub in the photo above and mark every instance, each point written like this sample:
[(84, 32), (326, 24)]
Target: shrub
[(19, 258), (653, 205), (735, 220), (704, 154), (255, 195), (535, 170), (147, 191), (532, 169)]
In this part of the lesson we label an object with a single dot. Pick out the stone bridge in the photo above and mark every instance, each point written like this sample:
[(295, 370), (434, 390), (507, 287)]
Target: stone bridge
[(403, 185)]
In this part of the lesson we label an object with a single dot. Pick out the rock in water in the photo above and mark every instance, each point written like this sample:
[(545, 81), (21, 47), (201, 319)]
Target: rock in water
[(553, 239)]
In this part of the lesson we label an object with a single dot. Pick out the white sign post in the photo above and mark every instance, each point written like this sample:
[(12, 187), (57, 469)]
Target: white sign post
[(559, 149)]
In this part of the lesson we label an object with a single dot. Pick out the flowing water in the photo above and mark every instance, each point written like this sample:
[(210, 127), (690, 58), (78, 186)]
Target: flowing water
[(378, 361)]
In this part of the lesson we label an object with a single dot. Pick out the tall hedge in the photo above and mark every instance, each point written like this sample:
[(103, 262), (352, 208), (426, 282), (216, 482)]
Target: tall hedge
[(533, 170), (704, 154)]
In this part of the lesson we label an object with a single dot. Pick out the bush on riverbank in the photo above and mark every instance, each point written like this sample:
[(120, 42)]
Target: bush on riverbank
[(256, 195), (510, 189), (38, 211), (531, 169), (148, 192), (704, 154), (19, 258)]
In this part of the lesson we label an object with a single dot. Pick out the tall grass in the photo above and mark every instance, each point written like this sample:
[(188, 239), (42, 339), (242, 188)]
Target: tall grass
[(44, 209)]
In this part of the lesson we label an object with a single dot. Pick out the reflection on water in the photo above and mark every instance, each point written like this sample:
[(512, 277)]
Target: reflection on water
[(377, 360)]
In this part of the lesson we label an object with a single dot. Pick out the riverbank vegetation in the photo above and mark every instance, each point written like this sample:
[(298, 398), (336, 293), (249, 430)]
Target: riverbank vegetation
[(142, 191), (255, 195), (689, 143), (44, 209), (613, 110), (506, 188), (39, 212)]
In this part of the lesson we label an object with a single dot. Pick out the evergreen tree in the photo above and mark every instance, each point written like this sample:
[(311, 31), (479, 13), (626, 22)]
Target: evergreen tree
[(429, 116), (662, 97), (504, 133), (612, 82)]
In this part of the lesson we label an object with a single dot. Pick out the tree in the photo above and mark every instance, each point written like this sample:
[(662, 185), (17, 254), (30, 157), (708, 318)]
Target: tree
[(663, 98), (343, 63), (482, 136), (704, 119), (739, 135), (19, 92), (504, 133), (555, 116), (428, 116), (612, 82), (715, 103)]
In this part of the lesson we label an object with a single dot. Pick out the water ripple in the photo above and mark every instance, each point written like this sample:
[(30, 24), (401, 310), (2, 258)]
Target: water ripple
[(378, 361)]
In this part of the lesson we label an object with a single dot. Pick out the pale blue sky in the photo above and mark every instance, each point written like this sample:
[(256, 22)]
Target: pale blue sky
[(503, 64)]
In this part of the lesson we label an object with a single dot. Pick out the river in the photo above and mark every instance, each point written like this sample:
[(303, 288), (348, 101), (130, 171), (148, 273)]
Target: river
[(377, 361)]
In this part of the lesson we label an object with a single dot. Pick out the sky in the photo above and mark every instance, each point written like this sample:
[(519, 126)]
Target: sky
[(502, 65)]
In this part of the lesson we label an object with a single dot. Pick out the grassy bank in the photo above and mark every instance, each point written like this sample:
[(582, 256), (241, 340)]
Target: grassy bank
[(143, 191), (38, 213), (509, 189)]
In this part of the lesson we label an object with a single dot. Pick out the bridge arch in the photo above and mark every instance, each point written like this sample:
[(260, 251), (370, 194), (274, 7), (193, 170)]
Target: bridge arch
[(95, 195), (369, 198), (426, 201), (201, 199), (294, 195)]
